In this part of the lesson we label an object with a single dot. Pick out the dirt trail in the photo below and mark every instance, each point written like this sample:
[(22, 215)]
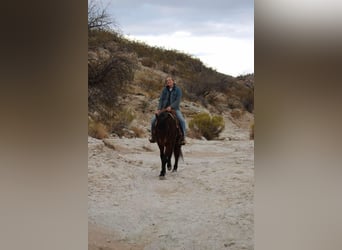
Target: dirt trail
[(207, 204)]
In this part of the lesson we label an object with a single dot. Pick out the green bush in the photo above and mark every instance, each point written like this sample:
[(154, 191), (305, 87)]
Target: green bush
[(205, 125)]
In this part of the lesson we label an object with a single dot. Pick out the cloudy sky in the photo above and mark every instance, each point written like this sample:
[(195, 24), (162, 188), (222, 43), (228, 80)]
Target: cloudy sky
[(218, 32)]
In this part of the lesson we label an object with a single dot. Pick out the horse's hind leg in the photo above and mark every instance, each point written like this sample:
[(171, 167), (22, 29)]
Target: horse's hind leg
[(168, 155), (163, 169), (177, 153)]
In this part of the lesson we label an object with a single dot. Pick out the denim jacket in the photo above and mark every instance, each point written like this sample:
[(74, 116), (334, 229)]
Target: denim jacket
[(170, 98)]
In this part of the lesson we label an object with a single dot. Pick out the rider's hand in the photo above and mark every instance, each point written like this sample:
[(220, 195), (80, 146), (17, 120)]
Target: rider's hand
[(168, 108)]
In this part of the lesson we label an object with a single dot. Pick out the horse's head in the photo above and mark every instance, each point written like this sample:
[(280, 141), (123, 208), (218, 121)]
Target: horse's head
[(162, 119)]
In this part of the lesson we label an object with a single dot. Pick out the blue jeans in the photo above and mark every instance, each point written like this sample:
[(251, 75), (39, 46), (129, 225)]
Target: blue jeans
[(180, 118)]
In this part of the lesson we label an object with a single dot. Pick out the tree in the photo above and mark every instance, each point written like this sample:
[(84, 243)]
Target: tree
[(98, 17)]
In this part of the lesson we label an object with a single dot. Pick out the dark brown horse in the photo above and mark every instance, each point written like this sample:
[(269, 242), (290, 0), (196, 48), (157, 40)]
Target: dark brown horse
[(168, 136)]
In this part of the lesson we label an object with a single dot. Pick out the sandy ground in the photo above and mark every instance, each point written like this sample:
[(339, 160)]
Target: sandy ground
[(207, 204)]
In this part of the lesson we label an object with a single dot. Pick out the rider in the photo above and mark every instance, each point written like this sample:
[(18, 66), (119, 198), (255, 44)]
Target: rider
[(170, 99)]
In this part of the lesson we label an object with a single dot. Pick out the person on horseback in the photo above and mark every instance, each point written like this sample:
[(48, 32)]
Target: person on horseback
[(170, 100)]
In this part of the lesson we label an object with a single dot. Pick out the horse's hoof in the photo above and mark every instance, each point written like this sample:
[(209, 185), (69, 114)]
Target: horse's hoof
[(169, 168), (162, 177), (174, 170)]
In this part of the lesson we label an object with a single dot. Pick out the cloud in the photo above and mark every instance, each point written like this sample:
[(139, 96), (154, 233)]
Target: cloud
[(219, 32), (226, 55), (224, 17)]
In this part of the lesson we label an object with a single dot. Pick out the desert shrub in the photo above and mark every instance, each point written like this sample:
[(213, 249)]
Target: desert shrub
[(217, 100), (138, 131), (212, 98), (234, 102), (241, 97), (144, 105), (97, 129), (207, 126), (236, 113), (167, 68), (247, 99), (150, 82), (121, 121), (101, 38), (148, 62), (107, 80), (199, 85)]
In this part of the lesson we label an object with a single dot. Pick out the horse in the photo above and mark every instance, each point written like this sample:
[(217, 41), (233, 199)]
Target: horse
[(168, 135)]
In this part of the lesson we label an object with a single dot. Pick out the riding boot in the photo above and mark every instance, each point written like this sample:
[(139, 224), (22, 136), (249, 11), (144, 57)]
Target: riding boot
[(182, 140), (153, 138)]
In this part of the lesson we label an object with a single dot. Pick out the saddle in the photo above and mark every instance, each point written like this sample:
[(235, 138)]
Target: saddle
[(172, 113)]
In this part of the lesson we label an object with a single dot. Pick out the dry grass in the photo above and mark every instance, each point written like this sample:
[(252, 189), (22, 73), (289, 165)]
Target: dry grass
[(150, 82), (122, 120), (194, 134), (236, 113), (97, 130), (139, 132)]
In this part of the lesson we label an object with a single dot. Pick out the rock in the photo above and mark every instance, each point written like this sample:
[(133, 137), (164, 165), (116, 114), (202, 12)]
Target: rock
[(109, 143)]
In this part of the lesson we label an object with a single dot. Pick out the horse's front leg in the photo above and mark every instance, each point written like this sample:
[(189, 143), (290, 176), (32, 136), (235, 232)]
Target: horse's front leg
[(163, 162), (169, 163), (163, 167), (163, 159)]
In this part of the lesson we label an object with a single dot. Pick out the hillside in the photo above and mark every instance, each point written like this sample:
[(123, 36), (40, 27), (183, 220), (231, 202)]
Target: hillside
[(208, 202), (126, 77)]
